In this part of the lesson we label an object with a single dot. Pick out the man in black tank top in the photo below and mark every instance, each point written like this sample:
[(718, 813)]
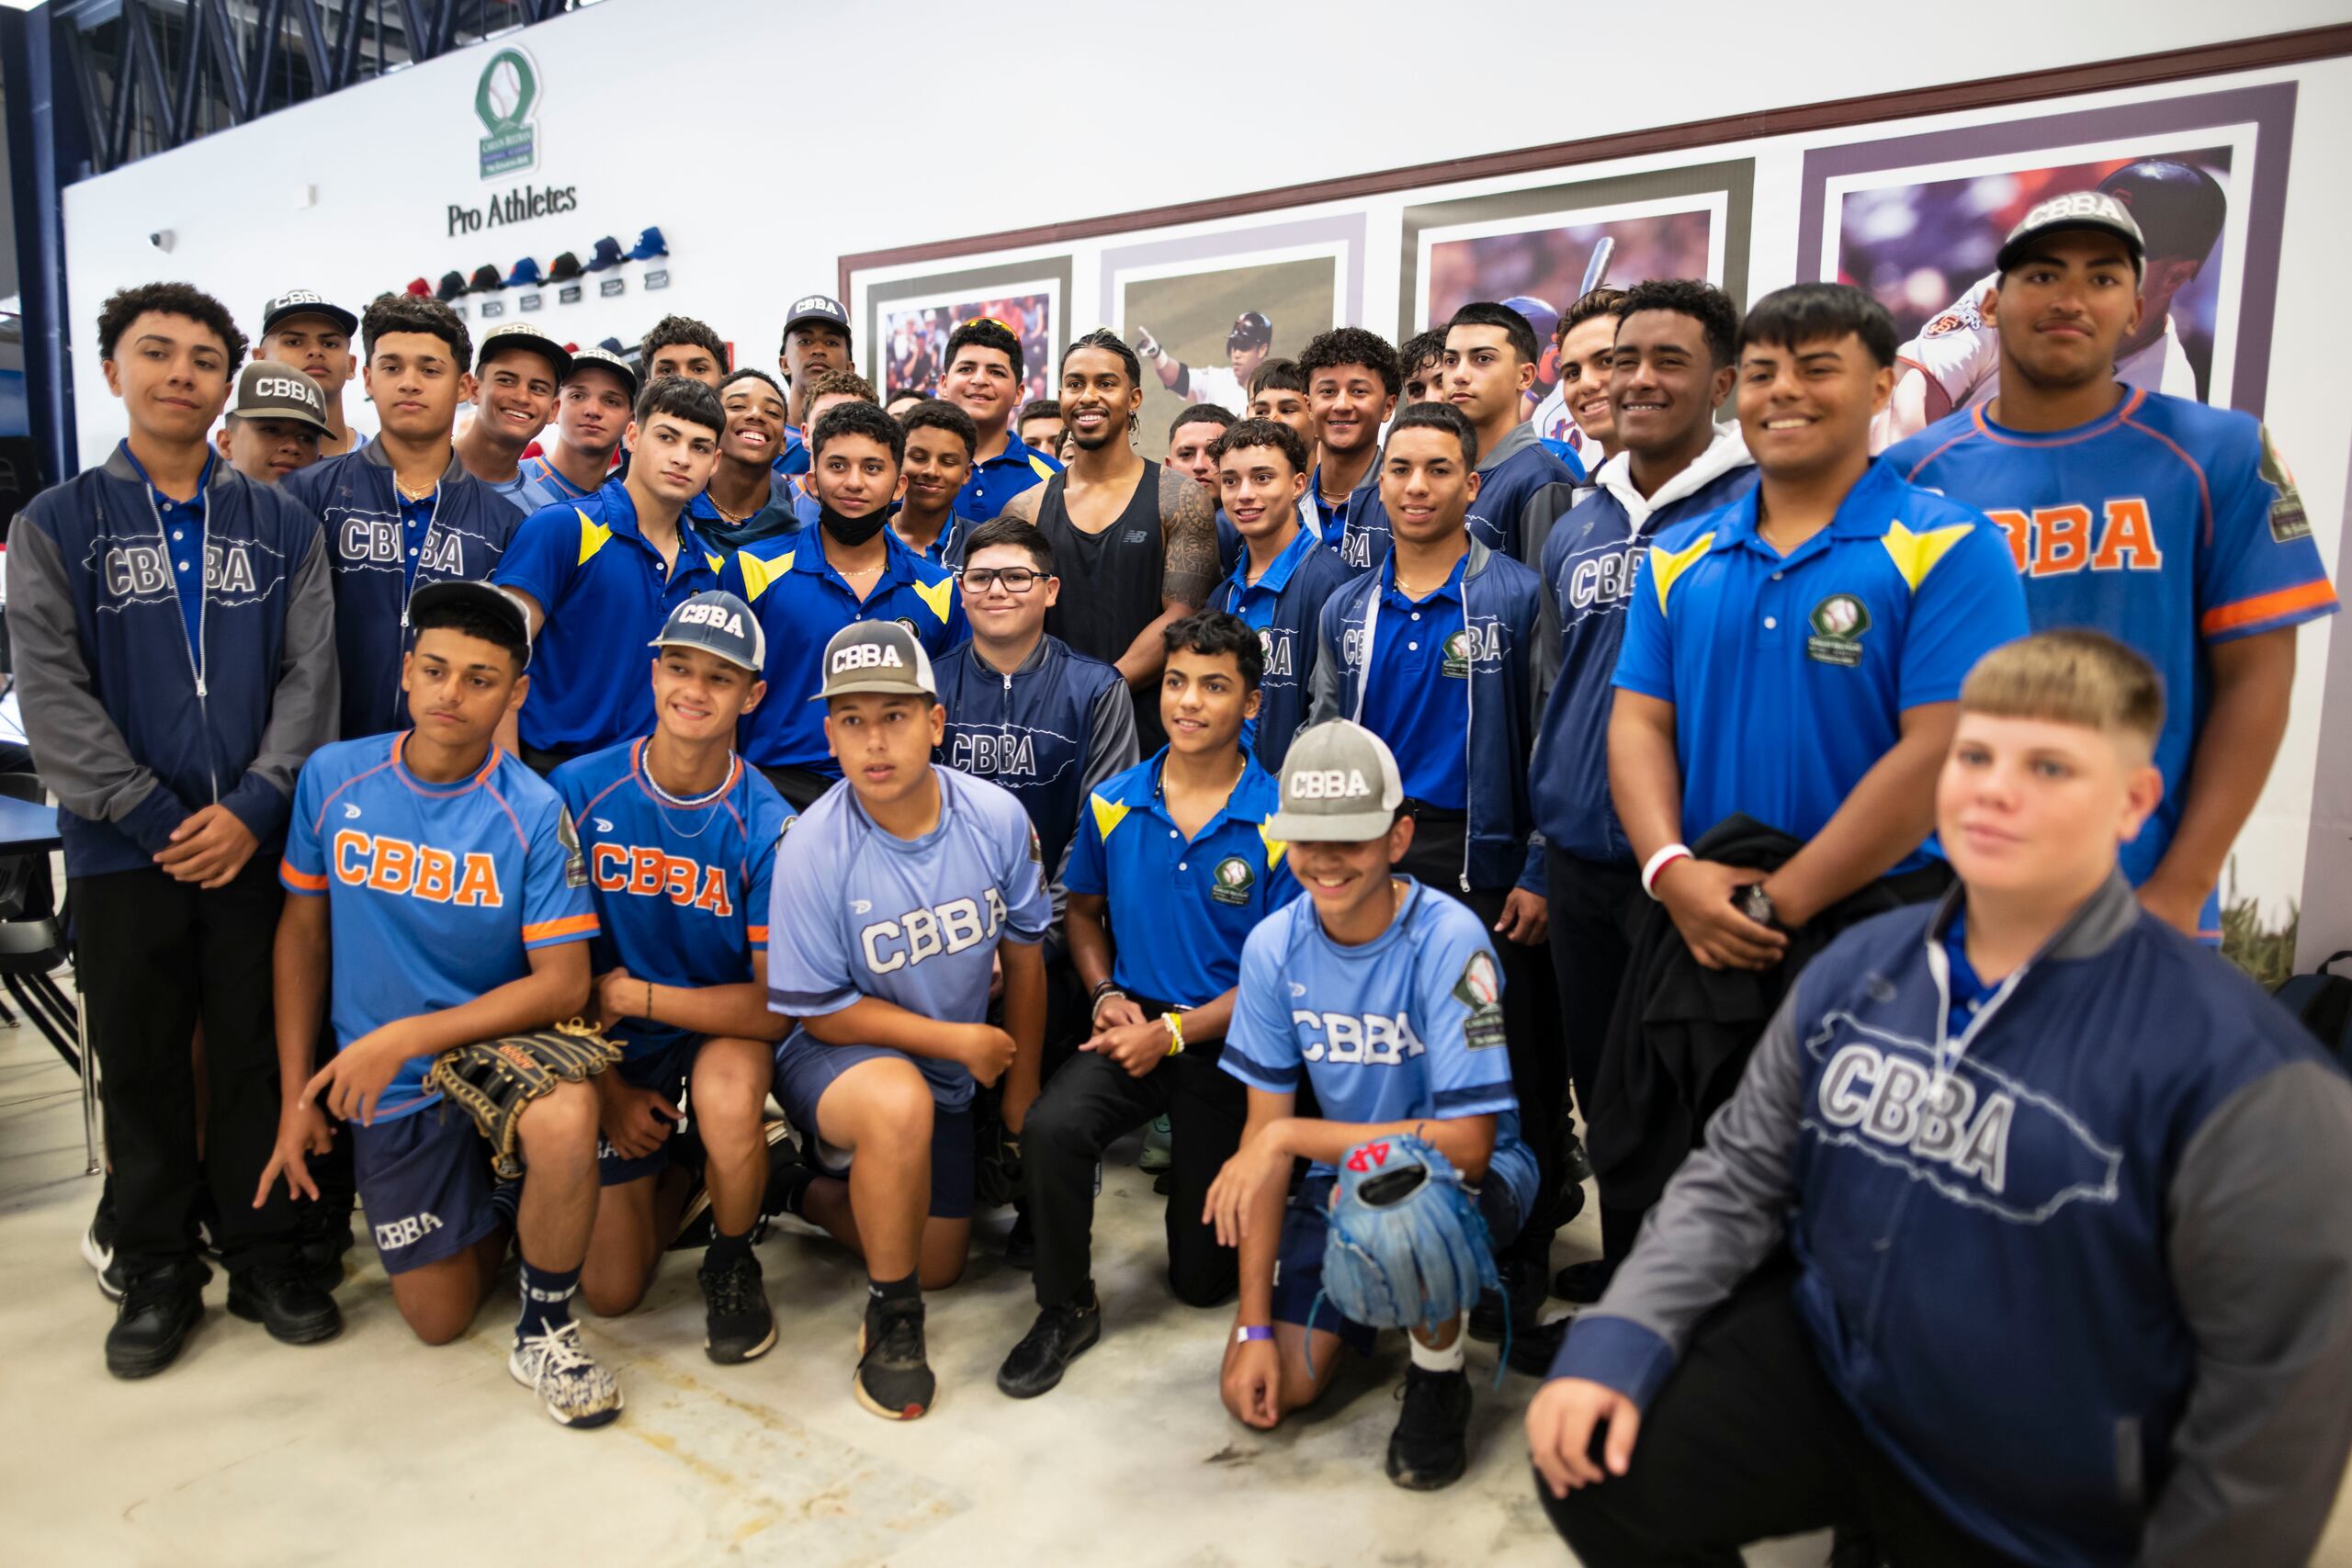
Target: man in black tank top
[(1134, 543)]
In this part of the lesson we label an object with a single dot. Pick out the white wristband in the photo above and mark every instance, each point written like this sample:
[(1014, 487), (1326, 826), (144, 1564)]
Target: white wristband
[(1659, 862)]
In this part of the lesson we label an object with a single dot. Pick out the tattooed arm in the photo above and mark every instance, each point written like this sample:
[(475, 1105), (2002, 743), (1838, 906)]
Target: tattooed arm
[(1187, 573), (1025, 505)]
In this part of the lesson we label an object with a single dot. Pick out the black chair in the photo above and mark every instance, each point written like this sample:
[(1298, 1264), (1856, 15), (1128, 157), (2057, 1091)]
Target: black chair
[(32, 936)]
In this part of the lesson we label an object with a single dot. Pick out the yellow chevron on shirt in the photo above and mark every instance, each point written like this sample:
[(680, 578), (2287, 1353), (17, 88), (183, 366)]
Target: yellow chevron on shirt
[(1915, 555), (1666, 564), (1108, 815), (593, 536), (758, 574), (937, 596), (1275, 848)]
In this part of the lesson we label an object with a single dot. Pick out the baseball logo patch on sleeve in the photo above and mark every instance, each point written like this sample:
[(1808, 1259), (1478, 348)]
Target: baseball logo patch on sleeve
[(2287, 521), (1480, 989)]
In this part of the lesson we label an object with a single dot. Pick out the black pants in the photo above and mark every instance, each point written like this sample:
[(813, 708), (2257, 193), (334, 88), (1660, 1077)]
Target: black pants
[(1591, 907), (1090, 1102), (1539, 1062), (155, 958), (800, 786), (1747, 1439), (545, 762)]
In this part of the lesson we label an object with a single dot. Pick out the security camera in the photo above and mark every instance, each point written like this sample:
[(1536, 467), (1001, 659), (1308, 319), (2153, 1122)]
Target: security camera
[(161, 239)]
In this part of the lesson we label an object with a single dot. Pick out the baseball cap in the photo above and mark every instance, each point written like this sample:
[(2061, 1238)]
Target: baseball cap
[(817, 308), (482, 595), (583, 357), (876, 656), (305, 302), (1339, 785), (266, 390), (522, 335), (719, 623), (2076, 210)]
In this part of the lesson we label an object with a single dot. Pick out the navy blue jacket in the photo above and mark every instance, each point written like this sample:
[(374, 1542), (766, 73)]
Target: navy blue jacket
[(1290, 640), (2083, 1269), (1050, 732), (354, 499), (1588, 555), (128, 729), (1513, 470), (1364, 536), (1499, 599)]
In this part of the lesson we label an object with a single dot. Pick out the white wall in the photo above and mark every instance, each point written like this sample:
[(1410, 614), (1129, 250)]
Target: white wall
[(801, 133)]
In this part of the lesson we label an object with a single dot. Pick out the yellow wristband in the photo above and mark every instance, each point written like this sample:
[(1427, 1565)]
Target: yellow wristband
[(1175, 1022)]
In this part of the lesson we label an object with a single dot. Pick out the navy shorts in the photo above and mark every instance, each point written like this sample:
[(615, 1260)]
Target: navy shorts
[(424, 1180), (1298, 1258), (663, 1065), (806, 1068)]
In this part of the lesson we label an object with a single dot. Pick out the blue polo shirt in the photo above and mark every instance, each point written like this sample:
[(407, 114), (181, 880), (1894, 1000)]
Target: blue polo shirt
[(183, 525), (1284, 606), (996, 481), (801, 602), (605, 593), (1790, 675), (1184, 907), (1417, 687), (794, 458)]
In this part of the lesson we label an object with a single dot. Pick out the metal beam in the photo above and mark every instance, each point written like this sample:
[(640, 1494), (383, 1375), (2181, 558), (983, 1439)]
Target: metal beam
[(228, 70)]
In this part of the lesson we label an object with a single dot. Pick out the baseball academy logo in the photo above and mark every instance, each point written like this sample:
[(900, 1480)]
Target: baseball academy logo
[(1839, 623), (1234, 879), (503, 99), (1480, 989), (866, 656)]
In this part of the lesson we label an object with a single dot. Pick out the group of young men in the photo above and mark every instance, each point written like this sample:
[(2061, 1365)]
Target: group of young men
[(980, 790)]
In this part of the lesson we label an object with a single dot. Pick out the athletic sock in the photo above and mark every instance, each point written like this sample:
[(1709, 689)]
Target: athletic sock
[(1450, 1360), (883, 1293), (546, 1299), (725, 1251)]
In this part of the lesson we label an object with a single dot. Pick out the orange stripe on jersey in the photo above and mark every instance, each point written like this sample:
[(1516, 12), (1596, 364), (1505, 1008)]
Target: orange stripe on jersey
[(300, 880), (2267, 607), (756, 934), (2204, 490), (571, 925)]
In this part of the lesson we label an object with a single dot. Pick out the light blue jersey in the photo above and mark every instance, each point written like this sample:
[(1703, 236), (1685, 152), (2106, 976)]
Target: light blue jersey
[(1408, 1025), (857, 911)]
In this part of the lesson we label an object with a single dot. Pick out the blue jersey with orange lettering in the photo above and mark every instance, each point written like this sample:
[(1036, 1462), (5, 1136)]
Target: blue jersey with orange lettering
[(436, 892), (680, 887), (2165, 523)]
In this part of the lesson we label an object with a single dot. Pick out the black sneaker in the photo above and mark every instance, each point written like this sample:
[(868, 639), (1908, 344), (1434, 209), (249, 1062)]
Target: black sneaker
[(737, 1323), (1584, 1283), (1430, 1447), (894, 1377), (1021, 1243), (323, 1235), (284, 1299), (1521, 1296), (158, 1309), (97, 1251), (1060, 1336), (1575, 1164), (1533, 1350)]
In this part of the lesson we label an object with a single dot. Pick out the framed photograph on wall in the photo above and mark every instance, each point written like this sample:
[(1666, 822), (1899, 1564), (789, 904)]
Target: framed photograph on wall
[(1217, 306), (908, 322), (1916, 219), (1539, 250)]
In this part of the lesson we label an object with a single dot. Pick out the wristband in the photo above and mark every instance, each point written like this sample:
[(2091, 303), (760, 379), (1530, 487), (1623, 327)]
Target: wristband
[(1175, 1022), (1094, 1013), (1659, 862), (1101, 988), (648, 1001), (1244, 1332)]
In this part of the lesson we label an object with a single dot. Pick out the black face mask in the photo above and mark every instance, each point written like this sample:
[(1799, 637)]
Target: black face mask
[(851, 531)]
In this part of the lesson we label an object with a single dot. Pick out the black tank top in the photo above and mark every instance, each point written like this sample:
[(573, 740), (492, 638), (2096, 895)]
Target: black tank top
[(1109, 583)]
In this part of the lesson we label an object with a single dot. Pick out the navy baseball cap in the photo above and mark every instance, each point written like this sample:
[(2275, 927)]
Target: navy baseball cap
[(604, 358), (522, 335), (717, 622), (305, 302), (817, 308), (2077, 209), (482, 595)]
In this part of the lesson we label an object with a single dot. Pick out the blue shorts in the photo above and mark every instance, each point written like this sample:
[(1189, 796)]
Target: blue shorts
[(424, 1180), (1298, 1258), (658, 1062), (806, 1068)]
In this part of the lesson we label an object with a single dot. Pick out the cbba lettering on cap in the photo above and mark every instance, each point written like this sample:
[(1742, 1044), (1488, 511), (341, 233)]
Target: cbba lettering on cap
[(1327, 784), (282, 386), (717, 615), (866, 656)]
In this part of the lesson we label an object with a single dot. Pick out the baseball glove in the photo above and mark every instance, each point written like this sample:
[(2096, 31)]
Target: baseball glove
[(1407, 1246), (494, 1080)]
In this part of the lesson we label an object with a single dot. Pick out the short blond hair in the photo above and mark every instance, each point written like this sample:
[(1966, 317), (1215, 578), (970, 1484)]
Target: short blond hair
[(2075, 676), (840, 384)]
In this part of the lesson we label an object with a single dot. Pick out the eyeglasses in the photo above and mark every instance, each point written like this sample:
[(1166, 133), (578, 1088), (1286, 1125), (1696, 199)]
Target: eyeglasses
[(1014, 578)]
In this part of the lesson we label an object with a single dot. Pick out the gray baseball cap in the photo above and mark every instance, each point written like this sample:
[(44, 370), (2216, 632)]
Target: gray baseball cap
[(266, 390), (876, 656), (1339, 785), (305, 302), (717, 622), (2076, 210), (603, 359)]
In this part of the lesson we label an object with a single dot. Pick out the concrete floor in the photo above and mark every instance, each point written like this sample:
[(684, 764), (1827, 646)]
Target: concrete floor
[(374, 1449)]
